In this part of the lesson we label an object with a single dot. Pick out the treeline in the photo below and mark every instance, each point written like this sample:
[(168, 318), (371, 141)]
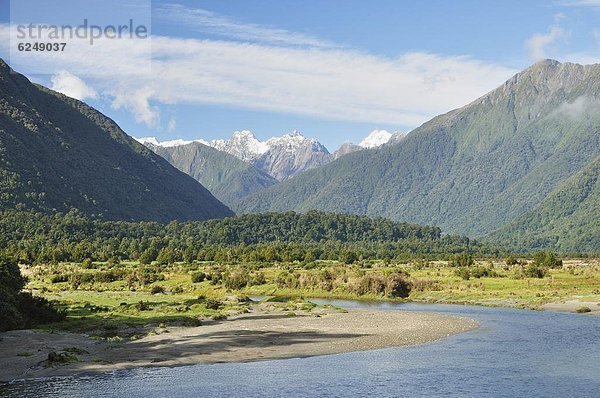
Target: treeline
[(39, 238)]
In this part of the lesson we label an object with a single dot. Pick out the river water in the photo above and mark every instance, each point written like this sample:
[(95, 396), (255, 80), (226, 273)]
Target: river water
[(515, 353)]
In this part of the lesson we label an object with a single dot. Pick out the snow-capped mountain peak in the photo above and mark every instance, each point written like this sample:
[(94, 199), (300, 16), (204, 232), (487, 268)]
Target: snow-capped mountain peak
[(242, 144), (375, 138), (289, 142)]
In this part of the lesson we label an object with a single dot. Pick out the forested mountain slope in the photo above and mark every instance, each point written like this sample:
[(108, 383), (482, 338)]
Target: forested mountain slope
[(470, 171), (57, 153), (567, 220), (224, 175)]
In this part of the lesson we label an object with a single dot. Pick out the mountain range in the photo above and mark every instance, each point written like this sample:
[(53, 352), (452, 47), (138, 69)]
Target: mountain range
[(473, 170), (518, 166), (57, 153), (280, 157)]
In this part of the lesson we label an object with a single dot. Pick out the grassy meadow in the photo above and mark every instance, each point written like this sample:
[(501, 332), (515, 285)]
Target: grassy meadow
[(115, 300)]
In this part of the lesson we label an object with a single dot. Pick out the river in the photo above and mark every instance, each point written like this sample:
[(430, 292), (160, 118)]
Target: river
[(515, 353)]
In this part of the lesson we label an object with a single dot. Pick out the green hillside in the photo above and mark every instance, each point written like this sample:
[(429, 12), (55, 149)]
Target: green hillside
[(224, 175), (568, 220), (57, 153), (469, 171)]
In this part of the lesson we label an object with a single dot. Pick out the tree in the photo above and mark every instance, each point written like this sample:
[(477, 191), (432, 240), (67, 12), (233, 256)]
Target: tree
[(20, 309)]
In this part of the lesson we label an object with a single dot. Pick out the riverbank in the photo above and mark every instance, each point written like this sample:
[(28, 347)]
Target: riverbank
[(263, 333)]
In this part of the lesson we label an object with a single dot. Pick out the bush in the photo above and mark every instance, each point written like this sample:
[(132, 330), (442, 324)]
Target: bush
[(547, 259), (212, 304), (511, 260), (461, 260), (143, 306), (58, 278), (480, 272), (463, 273), (156, 289), (19, 309), (198, 277), (397, 286), (87, 263), (535, 271)]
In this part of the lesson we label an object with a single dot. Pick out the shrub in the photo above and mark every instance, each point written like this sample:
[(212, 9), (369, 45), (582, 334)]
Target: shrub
[(142, 306), (480, 272), (535, 271), (19, 309), (463, 273), (198, 277), (58, 278), (547, 259), (156, 289), (212, 304), (177, 289), (511, 260), (461, 260), (236, 280), (397, 286)]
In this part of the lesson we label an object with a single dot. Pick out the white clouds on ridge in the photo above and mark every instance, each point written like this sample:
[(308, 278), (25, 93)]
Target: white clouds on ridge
[(68, 84), (538, 43)]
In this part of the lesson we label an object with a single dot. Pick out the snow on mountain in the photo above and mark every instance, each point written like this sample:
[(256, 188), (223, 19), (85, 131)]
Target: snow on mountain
[(292, 154), (281, 157), (375, 138), (243, 145)]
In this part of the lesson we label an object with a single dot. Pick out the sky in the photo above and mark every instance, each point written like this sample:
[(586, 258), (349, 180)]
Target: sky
[(332, 69)]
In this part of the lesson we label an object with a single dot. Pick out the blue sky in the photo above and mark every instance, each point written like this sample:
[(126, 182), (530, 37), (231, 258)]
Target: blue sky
[(333, 69)]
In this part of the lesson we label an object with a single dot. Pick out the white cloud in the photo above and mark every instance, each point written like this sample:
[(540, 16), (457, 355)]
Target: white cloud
[(138, 103), (212, 23), (332, 83), (72, 86), (539, 42), (580, 106)]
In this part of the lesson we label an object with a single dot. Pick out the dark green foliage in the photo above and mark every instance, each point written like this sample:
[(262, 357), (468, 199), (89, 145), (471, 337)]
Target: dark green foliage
[(270, 237), (20, 309), (472, 170), (198, 277), (463, 273), (224, 175), (461, 260), (212, 304), (534, 270), (156, 289), (566, 221), (547, 259), (483, 272), (57, 153), (511, 260)]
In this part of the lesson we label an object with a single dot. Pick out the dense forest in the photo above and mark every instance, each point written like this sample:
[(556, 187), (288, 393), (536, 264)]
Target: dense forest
[(39, 238)]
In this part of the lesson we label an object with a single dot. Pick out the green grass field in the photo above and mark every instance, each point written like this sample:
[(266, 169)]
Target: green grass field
[(111, 300)]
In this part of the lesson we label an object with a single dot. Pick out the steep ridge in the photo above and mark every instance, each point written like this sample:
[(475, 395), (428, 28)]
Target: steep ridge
[(57, 153), (224, 175)]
